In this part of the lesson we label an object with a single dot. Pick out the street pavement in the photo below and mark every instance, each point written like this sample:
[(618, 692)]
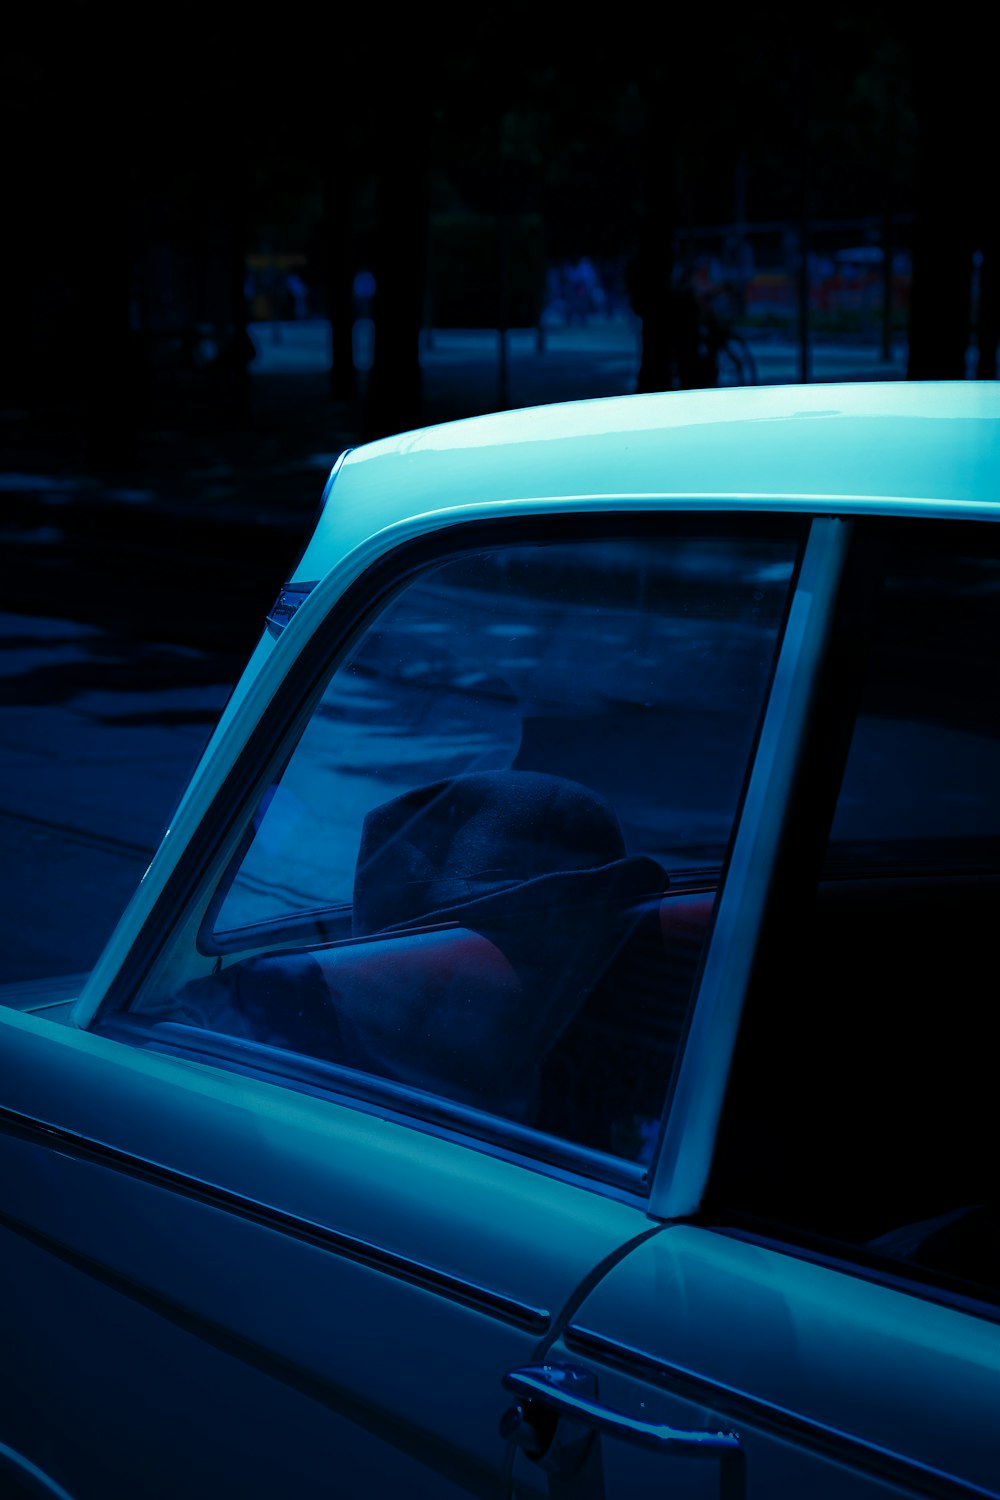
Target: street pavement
[(97, 739), (130, 601)]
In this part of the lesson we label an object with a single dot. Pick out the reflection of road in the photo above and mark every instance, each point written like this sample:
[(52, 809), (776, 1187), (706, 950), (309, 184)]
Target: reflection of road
[(97, 742)]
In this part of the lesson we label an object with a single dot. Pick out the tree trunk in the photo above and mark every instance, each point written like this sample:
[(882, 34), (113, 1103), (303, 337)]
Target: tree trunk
[(338, 274), (394, 398), (942, 272), (988, 323), (989, 311), (103, 352), (651, 274), (951, 150), (343, 167)]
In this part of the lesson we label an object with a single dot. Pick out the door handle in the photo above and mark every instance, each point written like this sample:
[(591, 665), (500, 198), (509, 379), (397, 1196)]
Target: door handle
[(546, 1392)]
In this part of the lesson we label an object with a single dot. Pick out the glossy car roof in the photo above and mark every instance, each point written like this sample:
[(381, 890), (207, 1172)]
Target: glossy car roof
[(921, 446)]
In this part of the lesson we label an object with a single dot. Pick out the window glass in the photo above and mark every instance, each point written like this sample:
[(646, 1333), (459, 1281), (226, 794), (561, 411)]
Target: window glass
[(485, 869), (862, 1105)]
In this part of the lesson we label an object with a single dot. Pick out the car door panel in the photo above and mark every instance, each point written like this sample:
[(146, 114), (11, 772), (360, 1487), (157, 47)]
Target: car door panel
[(835, 1385), (280, 1235), (139, 1402)]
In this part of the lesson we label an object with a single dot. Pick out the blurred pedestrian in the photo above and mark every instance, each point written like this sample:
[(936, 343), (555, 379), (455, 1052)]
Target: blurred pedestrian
[(298, 294)]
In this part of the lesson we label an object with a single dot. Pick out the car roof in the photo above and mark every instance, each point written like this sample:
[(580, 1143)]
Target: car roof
[(926, 447)]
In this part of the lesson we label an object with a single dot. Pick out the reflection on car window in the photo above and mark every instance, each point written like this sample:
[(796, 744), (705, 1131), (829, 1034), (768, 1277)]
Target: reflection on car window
[(862, 1106), (486, 868)]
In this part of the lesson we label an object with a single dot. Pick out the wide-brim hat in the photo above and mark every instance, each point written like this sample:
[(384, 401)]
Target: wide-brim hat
[(496, 849)]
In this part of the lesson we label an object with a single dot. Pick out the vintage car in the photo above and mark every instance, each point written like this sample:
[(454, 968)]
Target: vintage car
[(549, 1053)]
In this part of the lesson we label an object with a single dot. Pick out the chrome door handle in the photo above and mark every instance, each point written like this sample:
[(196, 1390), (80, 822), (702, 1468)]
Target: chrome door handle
[(551, 1385), (549, 1392)]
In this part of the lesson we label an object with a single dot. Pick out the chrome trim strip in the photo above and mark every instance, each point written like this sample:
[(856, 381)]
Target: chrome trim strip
[(433, 1114), (790, 1426), (350, 1247), (681, 1168)]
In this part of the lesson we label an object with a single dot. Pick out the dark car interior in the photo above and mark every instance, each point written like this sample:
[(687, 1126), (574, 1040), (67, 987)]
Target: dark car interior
[(862, 1111)]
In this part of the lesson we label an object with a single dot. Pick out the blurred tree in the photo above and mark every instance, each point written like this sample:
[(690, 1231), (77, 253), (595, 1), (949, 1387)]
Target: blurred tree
[(956, 204), (176, 151), (651, 271), (337, 261), (399, 126), (67, 350)]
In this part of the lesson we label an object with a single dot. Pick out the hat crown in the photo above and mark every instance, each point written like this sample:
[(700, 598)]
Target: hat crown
[(468, 837)]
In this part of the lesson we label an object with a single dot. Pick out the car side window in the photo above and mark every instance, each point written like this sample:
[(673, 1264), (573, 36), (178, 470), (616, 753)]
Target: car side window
[(484, 872), (862, 1112)]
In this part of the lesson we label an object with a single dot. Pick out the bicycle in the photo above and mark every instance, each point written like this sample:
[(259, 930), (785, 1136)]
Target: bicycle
[(726, 355), (735, 363), (707, 349)]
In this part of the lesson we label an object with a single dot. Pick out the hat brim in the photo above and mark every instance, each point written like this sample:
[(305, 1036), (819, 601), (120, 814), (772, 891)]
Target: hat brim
[(604, 889)]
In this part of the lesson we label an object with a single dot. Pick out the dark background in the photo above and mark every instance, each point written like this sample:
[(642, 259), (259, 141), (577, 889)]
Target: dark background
[(456, 153)]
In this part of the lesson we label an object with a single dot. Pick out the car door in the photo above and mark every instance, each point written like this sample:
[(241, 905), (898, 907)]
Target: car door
[(370, 1096), (820, 1313)]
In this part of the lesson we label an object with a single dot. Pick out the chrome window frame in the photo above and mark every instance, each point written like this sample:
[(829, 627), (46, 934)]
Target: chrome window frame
[(693, 1108), (289, 709)]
